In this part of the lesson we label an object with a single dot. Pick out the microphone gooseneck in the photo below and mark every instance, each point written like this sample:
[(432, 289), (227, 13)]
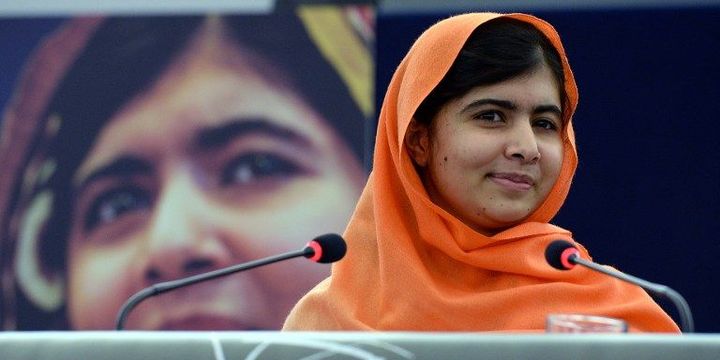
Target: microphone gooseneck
[(326, 248), (563, 255)]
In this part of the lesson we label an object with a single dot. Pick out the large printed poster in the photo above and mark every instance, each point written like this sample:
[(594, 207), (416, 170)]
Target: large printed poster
[(141, 149)]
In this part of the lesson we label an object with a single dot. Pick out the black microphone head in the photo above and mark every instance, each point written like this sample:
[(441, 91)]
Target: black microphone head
[(557, 253), (327, 248)]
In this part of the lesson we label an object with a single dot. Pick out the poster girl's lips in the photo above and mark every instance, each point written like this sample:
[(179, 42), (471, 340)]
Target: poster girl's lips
[(206, 322), (512, 181)]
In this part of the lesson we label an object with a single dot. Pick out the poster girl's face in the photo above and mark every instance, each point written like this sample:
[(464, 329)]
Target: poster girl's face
[(213, 165)]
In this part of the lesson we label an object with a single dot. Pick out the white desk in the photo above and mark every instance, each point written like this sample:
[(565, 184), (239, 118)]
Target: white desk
[(349, 345)]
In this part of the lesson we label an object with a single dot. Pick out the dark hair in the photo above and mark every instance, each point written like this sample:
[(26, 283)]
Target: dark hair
[(496, 51)]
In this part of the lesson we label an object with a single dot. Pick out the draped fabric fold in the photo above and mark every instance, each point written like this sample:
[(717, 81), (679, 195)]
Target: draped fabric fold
[(413, 266)]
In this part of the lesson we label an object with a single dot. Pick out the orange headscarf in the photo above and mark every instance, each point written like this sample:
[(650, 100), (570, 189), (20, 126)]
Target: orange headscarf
[(412, 266)]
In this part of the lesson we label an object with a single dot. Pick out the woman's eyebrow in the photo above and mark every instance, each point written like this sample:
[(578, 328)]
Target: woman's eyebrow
[(509, 105), (548, 108), (122, 166), (218, 136), (481, 102)]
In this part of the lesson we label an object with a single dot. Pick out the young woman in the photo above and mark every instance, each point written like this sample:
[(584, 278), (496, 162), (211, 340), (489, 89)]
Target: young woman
[(153, 148), (475, 154)]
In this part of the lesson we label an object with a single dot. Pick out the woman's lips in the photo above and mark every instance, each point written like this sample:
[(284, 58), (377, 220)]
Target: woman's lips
[(217, 305), (512, 181)]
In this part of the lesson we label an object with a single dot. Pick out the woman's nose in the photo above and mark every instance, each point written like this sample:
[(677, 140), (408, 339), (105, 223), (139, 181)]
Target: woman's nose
[(182, 239), (522, 144), (176, 258)]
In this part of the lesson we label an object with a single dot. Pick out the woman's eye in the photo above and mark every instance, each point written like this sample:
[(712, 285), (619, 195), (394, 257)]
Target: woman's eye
[(489, 116), (545, 124), (252, 167), (115, 203)]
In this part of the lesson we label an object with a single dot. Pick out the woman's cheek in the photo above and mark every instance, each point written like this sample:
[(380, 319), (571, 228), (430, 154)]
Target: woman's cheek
[(552, 157), (97, 288)]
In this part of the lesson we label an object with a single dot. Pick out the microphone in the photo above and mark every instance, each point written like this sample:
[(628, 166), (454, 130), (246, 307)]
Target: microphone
[(563, 255), (324, 249)]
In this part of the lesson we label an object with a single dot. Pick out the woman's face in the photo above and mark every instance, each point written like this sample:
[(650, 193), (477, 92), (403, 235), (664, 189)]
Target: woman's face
[(214, 165), (493, 155)]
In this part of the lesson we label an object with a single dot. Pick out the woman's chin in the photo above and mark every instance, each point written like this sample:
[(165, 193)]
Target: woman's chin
[(496, 220)]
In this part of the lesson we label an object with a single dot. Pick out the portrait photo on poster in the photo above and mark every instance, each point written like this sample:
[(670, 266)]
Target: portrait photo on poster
[(143, 149)]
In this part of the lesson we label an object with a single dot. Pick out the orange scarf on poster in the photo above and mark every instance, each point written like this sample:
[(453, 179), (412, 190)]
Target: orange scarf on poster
[(411, 265)]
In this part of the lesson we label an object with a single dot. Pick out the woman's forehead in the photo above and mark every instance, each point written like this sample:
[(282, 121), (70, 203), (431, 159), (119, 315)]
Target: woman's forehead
[(199, 95)]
